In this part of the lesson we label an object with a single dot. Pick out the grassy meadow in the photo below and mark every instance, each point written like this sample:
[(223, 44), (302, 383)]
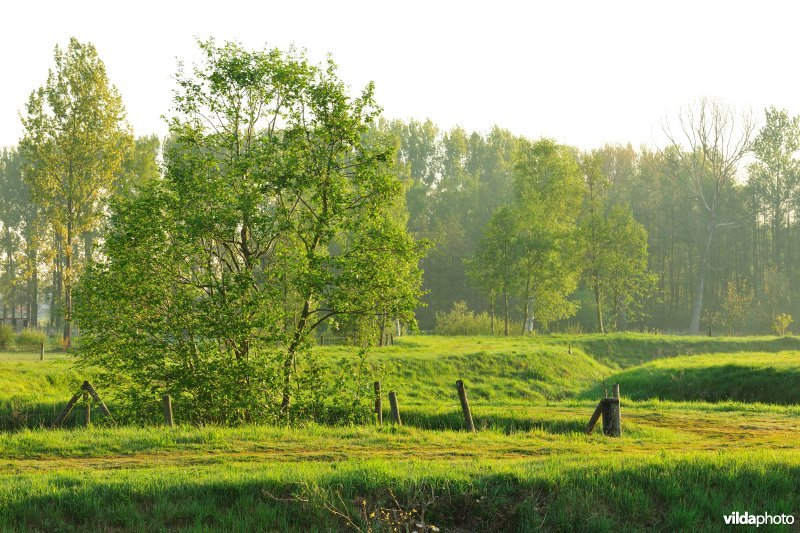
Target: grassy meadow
[(710, 426)]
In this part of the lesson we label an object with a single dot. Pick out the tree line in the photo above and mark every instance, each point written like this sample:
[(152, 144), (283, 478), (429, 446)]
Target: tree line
[(696, 235), (532, 234)]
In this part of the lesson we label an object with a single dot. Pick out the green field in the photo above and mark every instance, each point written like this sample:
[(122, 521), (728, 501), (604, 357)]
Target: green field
[(710, 426)]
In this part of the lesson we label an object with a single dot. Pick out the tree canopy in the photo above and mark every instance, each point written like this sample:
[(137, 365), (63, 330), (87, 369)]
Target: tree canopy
[(275, 215)]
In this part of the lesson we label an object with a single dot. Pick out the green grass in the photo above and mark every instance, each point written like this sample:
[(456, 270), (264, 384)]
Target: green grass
[(710, 426), (681, 469)]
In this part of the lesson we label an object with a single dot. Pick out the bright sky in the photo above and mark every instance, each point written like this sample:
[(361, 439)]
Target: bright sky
[(583, 72)]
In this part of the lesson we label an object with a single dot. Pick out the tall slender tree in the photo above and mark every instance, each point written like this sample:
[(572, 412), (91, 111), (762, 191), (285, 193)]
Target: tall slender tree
[(75, 140)]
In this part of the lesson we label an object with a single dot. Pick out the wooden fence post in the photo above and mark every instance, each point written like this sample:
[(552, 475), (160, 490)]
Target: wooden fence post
[(88, 388), (462, 395), (614, 414), (611, 418), (88, 417), (378, 403), (608, 408), (41, 352), (595, 417), (395, 408), (167, 399)]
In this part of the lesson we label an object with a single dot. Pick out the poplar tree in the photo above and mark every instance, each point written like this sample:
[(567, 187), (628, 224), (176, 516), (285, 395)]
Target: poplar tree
[(75, 139)]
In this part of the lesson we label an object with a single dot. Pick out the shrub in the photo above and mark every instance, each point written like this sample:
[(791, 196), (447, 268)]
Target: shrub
[(461, 321), (781, 323), (6, 336), (31, 337)]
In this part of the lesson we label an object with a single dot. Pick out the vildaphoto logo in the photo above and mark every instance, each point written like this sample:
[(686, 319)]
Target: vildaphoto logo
[(765, 519)]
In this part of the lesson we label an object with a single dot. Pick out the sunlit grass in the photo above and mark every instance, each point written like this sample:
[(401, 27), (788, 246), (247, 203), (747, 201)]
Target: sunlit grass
[(679, 465)]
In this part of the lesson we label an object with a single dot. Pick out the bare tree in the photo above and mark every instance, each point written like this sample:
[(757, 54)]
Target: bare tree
[(706, 145)]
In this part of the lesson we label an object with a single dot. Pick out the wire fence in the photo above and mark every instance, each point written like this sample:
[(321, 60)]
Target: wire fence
[(32, 353), (16, 418)]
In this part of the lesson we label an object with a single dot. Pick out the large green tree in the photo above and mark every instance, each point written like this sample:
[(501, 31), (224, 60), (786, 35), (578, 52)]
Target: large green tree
[(615, 259), (277, 213), (75, 140), (494, 268), (12, 205), (775, 176), (549, 191)]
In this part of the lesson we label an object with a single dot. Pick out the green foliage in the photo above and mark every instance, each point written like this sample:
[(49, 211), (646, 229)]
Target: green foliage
[(774, 179), (277, 213), (75, 140), (781, 323), (30, 337), (735, 305), (461, 321), (494, 266), (528, 250), (6, 336), (615, 259), (548, 188)]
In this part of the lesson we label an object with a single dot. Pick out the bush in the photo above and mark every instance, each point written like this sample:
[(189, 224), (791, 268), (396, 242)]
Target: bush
[(461, 321), (781, 323), (30, 337), (6, 336)]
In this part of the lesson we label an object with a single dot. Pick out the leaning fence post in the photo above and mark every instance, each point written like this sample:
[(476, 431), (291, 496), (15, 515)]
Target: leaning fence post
[(462, 395), (395, 408), (378, 403), (67, 409), (167, 399)]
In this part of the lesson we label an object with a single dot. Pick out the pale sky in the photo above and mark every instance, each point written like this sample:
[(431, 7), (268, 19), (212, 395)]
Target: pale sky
[(583, 72)]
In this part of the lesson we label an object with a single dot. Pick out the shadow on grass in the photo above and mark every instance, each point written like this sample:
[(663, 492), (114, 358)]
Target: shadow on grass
[(626, 351), (17, 414), (718, 383), (507, 423)]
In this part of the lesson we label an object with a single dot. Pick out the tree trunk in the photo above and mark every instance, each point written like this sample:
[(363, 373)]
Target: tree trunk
[(491, 309), (527, 305), (291, 355), (505, 301), (68, 282), (88, 246), (599, 304), (697, 300), (55, 294), (33, 295), (382, 328)]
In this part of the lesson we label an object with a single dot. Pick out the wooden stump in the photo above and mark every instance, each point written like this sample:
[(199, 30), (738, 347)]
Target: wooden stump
[(608, 409)]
